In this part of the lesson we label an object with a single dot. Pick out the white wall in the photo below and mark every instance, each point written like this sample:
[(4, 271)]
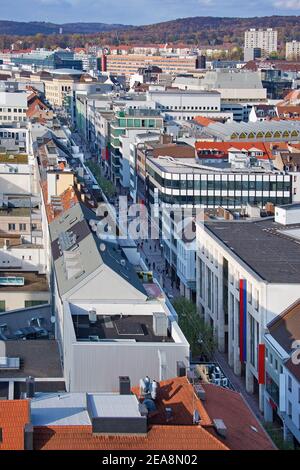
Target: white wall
[(26, 259), (18, 183)]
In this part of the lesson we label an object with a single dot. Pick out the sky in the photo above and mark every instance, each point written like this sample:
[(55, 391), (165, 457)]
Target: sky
[(137, 12)]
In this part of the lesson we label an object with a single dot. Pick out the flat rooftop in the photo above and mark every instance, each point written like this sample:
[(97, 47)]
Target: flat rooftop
[(15, 212), (55, 409), (114, 405), (116, 328), (32, 282), (18, 158), (39, 358), (192, 166), (70, 409), (265, 246)]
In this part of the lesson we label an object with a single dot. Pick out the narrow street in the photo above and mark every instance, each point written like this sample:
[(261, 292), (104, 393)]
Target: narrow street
[(152, 254)]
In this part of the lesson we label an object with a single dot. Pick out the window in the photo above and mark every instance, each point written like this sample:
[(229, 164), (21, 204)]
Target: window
[(2, 306), (290, 408), (256, 300), (33, 303), (11, 227), (289, 383), (22, 227)]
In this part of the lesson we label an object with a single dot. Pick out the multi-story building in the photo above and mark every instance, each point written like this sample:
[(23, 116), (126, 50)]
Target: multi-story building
[(264, 39), (252, 53), (107, 319), (282, 379), (59, 88), (181, 105), (188, 183), (41, 59), (130, 64), (292, 50), (247, 274), (235, 85), (13, 107), (129, 123)]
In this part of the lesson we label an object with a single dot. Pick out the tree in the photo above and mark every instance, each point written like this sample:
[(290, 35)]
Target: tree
[(199, 334)]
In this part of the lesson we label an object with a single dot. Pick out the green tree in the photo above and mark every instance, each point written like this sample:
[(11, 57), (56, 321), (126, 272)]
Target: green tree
[(199, 334), (106, 185)]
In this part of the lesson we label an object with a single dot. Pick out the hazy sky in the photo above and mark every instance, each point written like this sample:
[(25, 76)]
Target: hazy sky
[(139, 11)]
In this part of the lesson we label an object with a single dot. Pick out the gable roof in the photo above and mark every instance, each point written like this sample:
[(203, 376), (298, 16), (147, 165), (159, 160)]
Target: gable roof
[(14, 414), (179, 433), (285, 328), (78, 252), (244, 432), (225, 147)]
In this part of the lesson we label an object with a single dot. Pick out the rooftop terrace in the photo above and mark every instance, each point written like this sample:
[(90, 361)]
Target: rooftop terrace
[(137, 328), (18, 158), (32, 281)]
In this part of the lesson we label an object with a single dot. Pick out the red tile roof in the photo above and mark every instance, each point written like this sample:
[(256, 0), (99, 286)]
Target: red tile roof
[(158, 438), (230, 406), (203, 121), (14, 414), (223, 147), (179, 433)]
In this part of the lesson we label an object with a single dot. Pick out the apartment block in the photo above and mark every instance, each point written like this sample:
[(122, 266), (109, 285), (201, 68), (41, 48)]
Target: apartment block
[(264, 39), (292, 50)]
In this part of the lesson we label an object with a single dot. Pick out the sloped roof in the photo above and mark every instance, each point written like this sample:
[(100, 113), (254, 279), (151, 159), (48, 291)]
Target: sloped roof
[(285, 328), (14, 414), (225, 147), (91, 252), (244, 432), (179, 433)]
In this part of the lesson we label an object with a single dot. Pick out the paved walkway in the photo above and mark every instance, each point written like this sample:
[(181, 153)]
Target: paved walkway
[(239, 384), (152, 255)]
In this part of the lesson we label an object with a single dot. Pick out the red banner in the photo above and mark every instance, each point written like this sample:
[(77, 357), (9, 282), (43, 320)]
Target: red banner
[(261, 363)]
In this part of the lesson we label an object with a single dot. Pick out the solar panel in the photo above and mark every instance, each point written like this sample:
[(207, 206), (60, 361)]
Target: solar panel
[(66, 240)]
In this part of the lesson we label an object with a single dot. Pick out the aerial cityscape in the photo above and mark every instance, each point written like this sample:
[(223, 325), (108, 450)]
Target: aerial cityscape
[(150, 227)]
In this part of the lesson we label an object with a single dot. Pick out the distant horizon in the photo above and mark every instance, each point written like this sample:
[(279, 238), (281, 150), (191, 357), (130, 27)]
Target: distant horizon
[(145, 24), (141, 12)]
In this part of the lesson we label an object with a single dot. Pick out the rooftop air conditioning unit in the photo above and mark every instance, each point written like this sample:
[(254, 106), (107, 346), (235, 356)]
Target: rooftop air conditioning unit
[(92, 316), (160, 324)]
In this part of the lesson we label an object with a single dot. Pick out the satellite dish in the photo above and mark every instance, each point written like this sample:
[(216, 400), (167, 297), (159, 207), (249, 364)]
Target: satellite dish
[(52, 319), (102, 247)]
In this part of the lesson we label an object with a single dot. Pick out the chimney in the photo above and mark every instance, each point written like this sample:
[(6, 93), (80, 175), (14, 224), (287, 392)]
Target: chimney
[(124, 385), (220, 427), (30, 387), (28, 437), (181, 369)]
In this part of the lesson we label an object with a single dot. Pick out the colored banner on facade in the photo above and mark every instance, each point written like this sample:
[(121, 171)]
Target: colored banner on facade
[(243, 320), (261, 363)]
